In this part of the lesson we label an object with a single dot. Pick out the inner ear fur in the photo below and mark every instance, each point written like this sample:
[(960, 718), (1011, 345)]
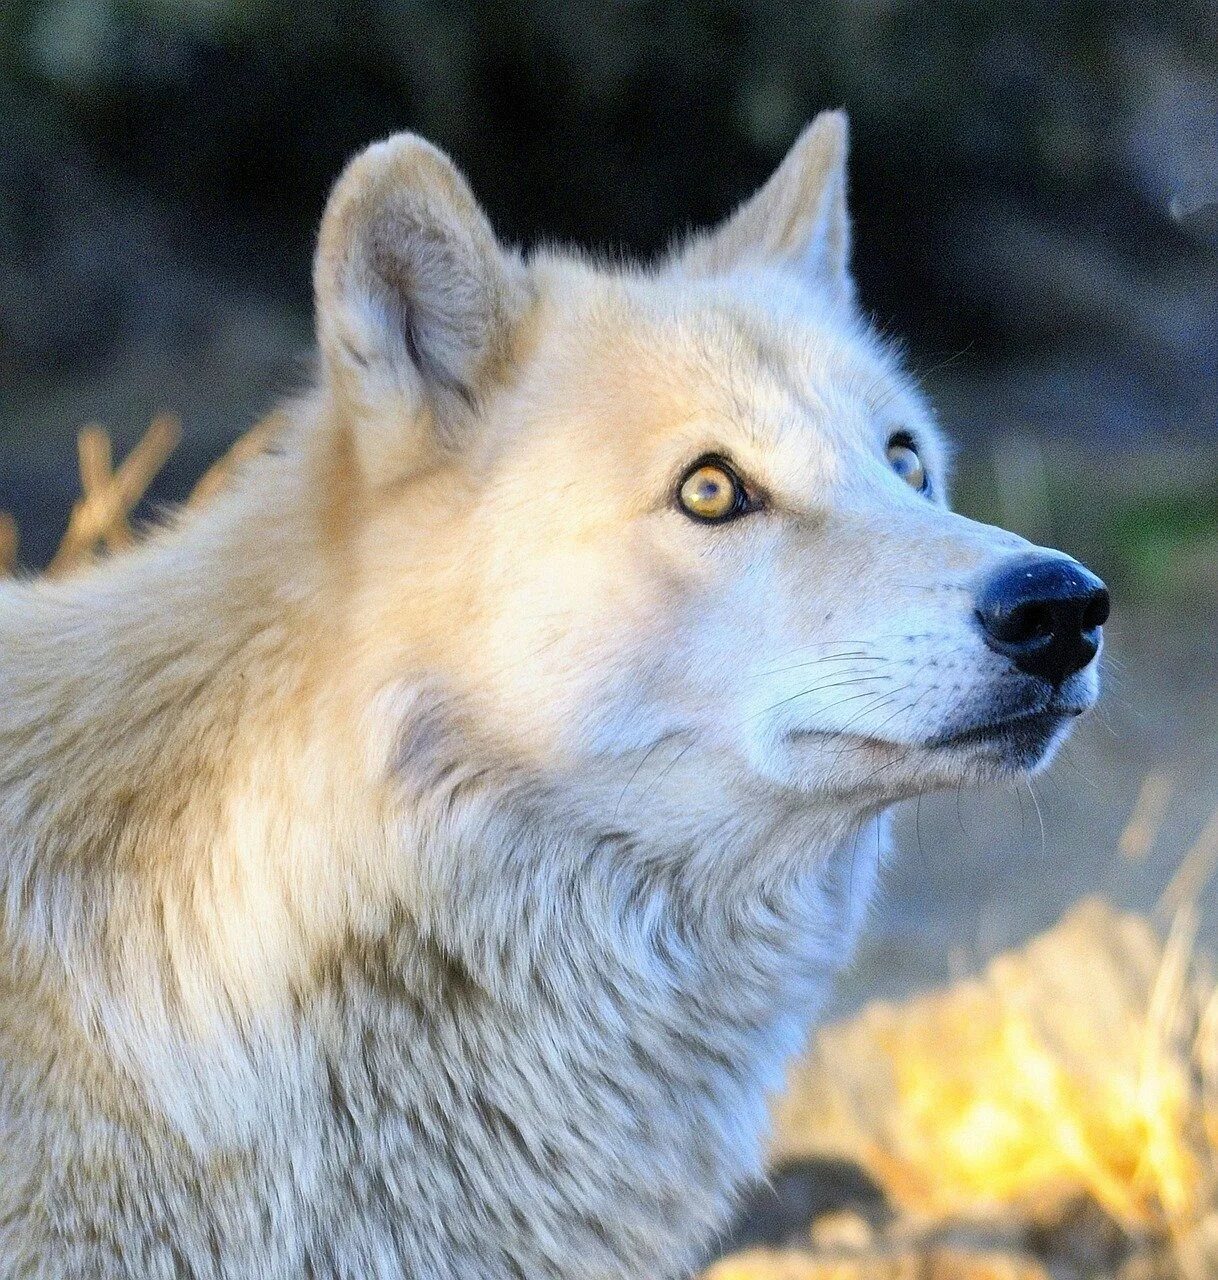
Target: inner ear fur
[(798, 220), (416, 300)]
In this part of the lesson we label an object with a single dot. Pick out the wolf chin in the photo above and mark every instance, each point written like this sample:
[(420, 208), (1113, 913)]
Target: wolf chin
[(424, 860)]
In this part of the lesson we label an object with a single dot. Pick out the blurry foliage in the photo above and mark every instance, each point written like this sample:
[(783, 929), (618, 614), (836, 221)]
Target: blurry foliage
[(1147, 520), (619, 122), (1061, 1109), (1167, 539)]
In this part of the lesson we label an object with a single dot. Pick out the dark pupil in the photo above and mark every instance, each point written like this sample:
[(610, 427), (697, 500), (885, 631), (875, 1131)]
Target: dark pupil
[(710, 489)]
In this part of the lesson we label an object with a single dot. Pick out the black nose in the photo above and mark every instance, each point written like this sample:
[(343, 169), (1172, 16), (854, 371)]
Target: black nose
[(1045, 614)]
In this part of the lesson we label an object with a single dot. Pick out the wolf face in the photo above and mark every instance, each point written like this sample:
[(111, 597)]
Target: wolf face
[(651, 527)]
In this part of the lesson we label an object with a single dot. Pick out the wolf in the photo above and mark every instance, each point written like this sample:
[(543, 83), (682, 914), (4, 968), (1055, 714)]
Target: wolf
[(424, 860)]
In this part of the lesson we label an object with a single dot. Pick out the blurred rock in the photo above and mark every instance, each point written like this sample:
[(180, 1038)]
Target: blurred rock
[(833, 1195), (842, 1232)]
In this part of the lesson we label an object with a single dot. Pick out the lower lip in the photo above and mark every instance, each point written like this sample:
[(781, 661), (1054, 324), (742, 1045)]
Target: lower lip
[(1039, 726), (1018, 731)]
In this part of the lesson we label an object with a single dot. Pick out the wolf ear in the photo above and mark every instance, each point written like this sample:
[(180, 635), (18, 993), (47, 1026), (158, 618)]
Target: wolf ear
[(415, 301), (797, 220)]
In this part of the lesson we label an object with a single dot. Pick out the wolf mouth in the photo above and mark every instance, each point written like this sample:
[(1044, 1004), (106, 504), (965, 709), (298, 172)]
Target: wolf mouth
[(1021, 729), (1012, 743), (1022, 732)]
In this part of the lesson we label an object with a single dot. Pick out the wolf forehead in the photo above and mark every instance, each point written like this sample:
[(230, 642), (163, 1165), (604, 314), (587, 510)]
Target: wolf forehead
[(755, 361), (437, 340)]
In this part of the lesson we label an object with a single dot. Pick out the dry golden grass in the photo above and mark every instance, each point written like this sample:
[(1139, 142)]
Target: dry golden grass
[(218, 474), (1146, 817), (1080, 1070), (107, 496), (935, 1264), (9, 543), (100, 520)]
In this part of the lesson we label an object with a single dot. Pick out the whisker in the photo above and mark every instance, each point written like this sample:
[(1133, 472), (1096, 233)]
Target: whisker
[(919, 377), (672, 764), (1041, 817), (819, 688), (918, 832), (864, 642), (895, 760), (651, 750), (901, 711), (837, 657), (1067, 758), (879, 704), (854, 853)]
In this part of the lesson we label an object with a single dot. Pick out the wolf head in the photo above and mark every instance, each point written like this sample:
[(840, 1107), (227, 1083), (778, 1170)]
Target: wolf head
[(684, 522)]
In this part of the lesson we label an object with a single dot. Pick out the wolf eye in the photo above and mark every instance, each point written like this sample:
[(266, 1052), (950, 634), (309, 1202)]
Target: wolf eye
[(711, 491), (903, 459)]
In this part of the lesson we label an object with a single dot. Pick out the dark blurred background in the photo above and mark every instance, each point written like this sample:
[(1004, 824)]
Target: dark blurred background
[(1035, 185)]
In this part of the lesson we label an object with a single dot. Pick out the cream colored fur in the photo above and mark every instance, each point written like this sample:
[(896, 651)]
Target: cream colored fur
[(424, 861)]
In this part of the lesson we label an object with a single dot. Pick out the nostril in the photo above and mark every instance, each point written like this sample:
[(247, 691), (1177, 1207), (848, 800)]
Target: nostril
[(1020, 623), (1028, 622), (1096, 612)]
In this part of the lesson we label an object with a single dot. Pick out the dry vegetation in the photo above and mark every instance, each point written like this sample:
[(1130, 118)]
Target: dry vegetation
[(100, 522), (1055, 1119)]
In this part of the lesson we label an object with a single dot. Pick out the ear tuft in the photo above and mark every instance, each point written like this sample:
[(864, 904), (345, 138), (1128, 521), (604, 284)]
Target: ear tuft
[(799, 220), (415, 298)]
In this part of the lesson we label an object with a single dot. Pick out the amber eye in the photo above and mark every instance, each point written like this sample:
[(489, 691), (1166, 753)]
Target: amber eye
[(903, 459), (712, 491)]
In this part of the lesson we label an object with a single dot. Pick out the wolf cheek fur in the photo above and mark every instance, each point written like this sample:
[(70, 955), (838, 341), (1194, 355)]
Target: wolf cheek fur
[(425, 859)]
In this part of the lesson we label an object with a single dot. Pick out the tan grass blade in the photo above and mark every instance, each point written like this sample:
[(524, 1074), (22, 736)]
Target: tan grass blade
[(1195, 871), (9, 543), (217, 476), (96, 514), (1146, 818), (96, 459)]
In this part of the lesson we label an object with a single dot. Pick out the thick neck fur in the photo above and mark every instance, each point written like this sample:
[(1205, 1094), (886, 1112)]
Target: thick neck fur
[(297, 982)]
